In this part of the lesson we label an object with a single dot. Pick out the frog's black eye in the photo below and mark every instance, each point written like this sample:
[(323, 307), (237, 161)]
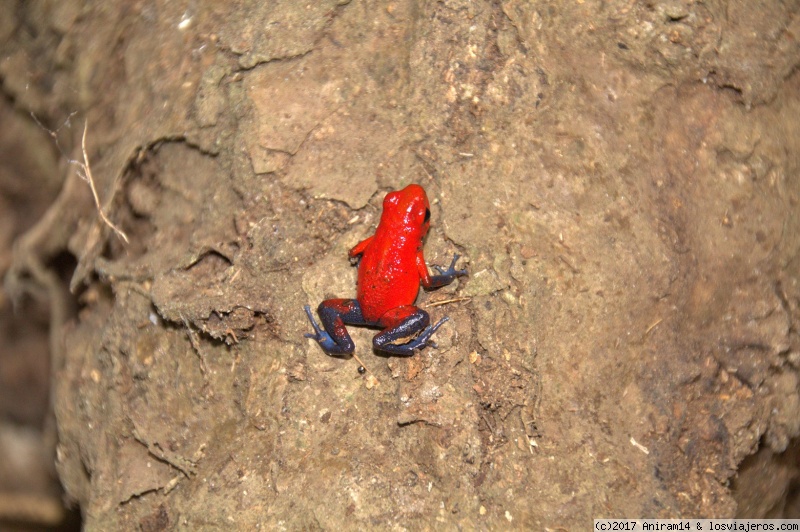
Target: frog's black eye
[(427, 215)]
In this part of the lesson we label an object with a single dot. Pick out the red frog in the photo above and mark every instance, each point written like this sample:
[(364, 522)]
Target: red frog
[(391, 266)]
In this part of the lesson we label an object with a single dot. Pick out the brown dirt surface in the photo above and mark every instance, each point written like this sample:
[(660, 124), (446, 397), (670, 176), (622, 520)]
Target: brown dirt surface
[(621, 179)]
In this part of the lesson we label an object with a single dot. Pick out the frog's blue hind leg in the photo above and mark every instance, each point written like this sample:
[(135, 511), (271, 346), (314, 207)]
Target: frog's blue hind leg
[(401, 328), (334, 314)]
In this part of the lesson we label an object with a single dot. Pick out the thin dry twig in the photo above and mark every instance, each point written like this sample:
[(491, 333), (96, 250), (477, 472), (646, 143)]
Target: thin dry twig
[(447, 302), (85, 172), (365, 367), (196, 346), (653, 326), (84, 169), (182, 464)]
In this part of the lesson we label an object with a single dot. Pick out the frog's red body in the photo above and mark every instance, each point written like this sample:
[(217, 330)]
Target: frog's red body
[(390, 271), (392, 264)]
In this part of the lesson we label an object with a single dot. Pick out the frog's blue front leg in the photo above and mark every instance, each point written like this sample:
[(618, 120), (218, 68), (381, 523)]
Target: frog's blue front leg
[(334, 314), (447, 276)]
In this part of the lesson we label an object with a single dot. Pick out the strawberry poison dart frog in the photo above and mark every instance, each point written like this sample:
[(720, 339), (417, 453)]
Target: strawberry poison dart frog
[(391, 267)]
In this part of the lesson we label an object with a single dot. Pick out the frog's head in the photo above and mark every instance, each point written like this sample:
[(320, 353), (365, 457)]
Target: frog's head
[(407, 210)]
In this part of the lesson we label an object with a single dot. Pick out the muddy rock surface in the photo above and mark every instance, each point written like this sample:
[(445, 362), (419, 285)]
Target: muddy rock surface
[(621, 179)]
